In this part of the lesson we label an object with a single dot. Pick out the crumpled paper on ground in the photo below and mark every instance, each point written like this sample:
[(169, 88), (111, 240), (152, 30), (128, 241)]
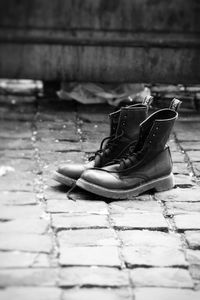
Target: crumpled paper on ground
[(113, 94)]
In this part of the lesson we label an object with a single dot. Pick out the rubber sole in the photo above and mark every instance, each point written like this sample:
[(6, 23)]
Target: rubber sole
[(160, 184), (63, 179)]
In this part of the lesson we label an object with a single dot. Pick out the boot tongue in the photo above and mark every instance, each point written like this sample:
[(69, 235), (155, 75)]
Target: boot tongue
[(97, 161), (129, 120), (114, 118)]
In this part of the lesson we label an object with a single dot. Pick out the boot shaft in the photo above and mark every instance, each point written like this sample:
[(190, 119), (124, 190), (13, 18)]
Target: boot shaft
[(153, 137), (156, 129), (130, 117), (124, 129)]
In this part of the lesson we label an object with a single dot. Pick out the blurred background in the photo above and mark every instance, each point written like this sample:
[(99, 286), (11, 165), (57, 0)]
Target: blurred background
[(65, 43)]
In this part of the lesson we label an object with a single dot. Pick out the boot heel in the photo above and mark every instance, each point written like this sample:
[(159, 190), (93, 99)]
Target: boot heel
[(166, 183)]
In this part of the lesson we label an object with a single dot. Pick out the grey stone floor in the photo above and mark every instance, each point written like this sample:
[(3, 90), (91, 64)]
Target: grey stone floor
[(54, 248)]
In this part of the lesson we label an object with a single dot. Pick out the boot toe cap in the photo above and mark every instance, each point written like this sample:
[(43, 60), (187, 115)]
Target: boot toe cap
[(71, 170), (102, 178)]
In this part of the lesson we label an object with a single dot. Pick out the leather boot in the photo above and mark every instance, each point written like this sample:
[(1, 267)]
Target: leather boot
[(124, 129), (145, 167)]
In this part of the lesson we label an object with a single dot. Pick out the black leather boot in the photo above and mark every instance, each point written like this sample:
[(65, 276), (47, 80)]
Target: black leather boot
[(145, 167), (124, 129)]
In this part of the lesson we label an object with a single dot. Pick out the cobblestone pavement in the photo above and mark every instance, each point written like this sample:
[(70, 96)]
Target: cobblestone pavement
[(55, 248)]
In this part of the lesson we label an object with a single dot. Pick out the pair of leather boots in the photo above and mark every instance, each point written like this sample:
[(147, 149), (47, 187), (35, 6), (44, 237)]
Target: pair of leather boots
[(134, 158)]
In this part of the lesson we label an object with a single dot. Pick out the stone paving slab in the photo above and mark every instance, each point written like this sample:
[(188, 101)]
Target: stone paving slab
[(8, 115), (191, 147), (16, 259), (140, 204), (182, 180), (90, 256), (88, 237), (15, 130), (195, 273), (194, 156), (63, 221), (59, 158), (17, 198), (54, 145), (31, 293), (180, 195), (66, 277), (19, 165), (150, 238), (25, 242), (193, 239), (98, 294), (139, 221), (93, 115), (51, 124), (180, 168), (67, 134), (178, 157), (193, 256), (18, 181), (15, 144), (165, 294), (17, 212), (176, 208), (161, 277), (25, 154), (187, 130), (136, 256), (196, 168), (90, 147), (93, 277), (80, 195), (78, 207), (42, 260), (28, 277), (25, 225), (54, 193), (183, 222)]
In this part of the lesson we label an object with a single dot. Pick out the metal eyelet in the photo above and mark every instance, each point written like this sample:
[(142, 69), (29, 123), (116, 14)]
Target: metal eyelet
[(149, 142)]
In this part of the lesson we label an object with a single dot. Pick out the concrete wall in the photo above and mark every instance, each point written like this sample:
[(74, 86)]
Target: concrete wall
[(101, 40)]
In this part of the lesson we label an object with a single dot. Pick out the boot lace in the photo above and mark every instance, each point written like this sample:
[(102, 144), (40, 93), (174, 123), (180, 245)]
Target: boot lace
[(130, 159), (132, 153), (104, 150)]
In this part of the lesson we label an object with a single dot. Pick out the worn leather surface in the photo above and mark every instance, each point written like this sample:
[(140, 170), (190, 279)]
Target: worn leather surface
[(128, 129), (112, 178), (127, 120), (151, 160), (74, 170)]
